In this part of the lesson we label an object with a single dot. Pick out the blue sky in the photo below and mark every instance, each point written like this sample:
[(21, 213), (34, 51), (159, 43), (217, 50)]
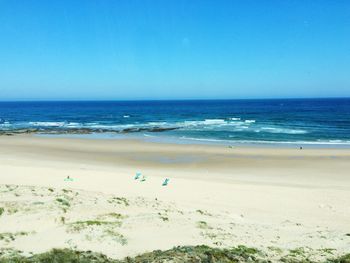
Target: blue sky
[(174, 49)]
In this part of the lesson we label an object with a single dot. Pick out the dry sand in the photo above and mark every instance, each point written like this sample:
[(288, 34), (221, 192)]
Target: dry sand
[(269, 198)]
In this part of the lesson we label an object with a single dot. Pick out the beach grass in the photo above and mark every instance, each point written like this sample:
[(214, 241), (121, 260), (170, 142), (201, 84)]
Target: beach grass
[(193, 254), (8, 237)]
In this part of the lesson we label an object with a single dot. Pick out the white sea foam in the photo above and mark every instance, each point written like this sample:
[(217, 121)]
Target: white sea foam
[(203, 139), (47, 124), (157, 123), (148, 135), (280, 130), (73, 125), (195, 125), (206, 122), (329, 142), (5, 124), (108, 126), (213, 121)]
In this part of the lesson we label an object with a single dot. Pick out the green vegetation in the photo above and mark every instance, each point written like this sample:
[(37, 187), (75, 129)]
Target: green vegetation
[(203, 225), (164, 218), (63, 202), (217, 234), (275, 249), (200, 254), (106, 229), (190, 254), (80, 225), (58, 256), (113, 215), (203, 212), (343, 259), (114, 235), (12, 210), (176, 255), (2, 210), (327, 250), (8, 237), (38, 203), (119, 201), (10, 188), (296, 255)]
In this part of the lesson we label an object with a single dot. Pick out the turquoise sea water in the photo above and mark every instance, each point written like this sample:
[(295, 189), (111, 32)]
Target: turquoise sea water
[(301, 121)]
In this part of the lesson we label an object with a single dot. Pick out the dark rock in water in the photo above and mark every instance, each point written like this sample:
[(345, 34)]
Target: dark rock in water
[(17, 131), (83, 130), (152, 129), (159, 129), (130, 130)]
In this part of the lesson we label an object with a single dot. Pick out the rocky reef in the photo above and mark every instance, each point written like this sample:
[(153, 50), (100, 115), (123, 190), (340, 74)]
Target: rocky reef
[(83, 130)]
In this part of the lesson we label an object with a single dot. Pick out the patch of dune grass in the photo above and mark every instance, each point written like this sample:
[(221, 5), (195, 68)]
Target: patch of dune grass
[(8, 237), (203, 212), (60, 256), (80, 225), (342, 259), (63, 202), (119, 201), (190, 254), (175, 255), (203, 225), (102, 229), (112, 216)]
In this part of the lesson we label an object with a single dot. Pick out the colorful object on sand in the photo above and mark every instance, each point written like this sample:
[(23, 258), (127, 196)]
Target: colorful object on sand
[(166, 181), (137, 176), (68, 179)]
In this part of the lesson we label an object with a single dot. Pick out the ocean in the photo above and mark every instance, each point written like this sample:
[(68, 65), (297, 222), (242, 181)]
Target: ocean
[(269, 121)]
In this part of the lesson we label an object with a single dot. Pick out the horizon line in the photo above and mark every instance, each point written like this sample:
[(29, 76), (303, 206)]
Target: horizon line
[(183, 99)]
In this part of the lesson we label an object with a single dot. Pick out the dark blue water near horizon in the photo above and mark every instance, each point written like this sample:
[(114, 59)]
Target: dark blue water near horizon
[(270, 120)]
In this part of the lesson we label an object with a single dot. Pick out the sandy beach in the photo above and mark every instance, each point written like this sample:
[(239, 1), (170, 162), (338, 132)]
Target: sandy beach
[(273, 199)]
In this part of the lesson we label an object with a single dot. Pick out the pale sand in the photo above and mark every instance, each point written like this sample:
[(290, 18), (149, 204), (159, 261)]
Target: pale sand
[(219, 196)]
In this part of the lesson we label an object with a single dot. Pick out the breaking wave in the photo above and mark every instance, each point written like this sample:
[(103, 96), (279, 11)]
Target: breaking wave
[(228, 125)]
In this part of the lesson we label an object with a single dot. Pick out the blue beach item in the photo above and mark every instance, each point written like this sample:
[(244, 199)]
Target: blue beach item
[(166, 181), (68, 179), (137, 176)]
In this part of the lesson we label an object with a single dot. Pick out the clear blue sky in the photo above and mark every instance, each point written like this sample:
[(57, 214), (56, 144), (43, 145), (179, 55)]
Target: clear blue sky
[(174, 49)]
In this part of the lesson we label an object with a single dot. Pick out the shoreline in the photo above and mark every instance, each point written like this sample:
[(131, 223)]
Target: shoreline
[(198, 141), (156, 135)]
